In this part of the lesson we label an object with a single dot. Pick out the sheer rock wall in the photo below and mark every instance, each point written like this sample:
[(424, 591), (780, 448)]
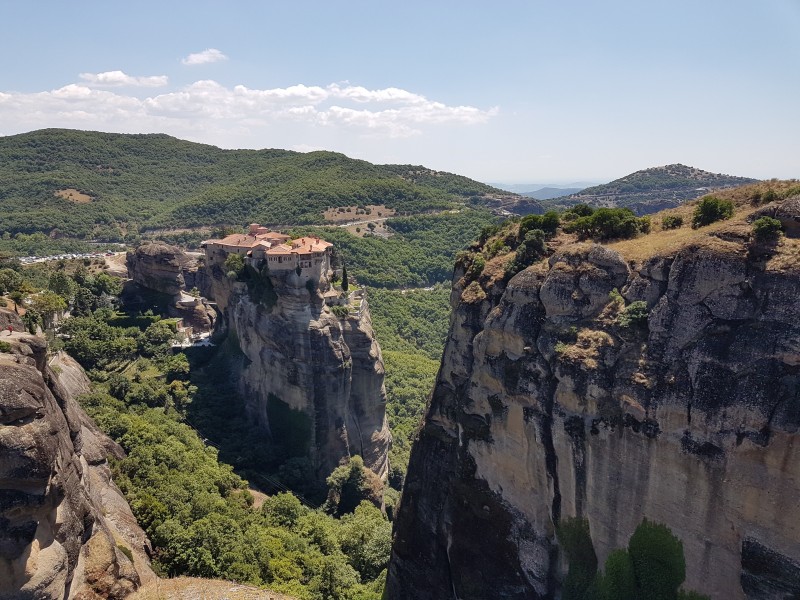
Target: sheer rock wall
[(62, 519), (545, 407)]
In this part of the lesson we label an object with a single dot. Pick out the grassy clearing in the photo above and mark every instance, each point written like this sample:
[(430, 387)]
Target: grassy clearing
[(73, 195)]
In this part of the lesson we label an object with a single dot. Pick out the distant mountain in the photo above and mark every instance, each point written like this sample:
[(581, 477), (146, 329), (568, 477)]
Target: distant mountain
[(526, 189), (546, 193), (651, 190), (86, 184)]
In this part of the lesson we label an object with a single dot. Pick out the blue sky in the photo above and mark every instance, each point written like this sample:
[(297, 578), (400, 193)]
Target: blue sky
[(507, 91)]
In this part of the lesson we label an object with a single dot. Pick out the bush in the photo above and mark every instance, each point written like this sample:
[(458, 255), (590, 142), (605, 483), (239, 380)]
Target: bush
[(634, 315), (710, 210), (528, 252), (671, 222), (766, 229), (5, 347), (548, 223), (340, 311), (609, 223)]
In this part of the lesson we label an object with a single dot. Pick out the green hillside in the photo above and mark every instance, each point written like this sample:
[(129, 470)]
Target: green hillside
[(85, 184), (651, 190)]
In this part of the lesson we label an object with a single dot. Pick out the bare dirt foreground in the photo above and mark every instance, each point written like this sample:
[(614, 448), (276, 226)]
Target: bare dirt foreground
[(190, 588)]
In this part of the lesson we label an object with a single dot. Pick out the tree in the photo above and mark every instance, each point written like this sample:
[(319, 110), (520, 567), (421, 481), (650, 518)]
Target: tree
[(573, 535), (283, 510), (365, 537), (711, 209), (349, 484), (345, 282), (63, 285), (234, 265), (658, 561), (156, 338), (10, 281), (618, 581), (766, 229), (48, 304), (18, 297)]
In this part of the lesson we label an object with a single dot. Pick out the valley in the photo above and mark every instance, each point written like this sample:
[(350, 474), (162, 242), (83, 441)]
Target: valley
[(368, 421)]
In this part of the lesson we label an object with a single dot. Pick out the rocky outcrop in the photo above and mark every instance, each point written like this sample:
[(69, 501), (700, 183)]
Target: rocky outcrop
[(158, 266), (554, 401), (63, 523), (164, 269), (312, 380)]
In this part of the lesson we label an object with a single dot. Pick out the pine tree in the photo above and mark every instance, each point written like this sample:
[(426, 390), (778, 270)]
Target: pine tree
[(345, 283)]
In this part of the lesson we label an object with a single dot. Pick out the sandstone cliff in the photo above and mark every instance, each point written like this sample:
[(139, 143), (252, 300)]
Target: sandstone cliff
[(310, 379), (549, 404), (62, 520), (167, 270)]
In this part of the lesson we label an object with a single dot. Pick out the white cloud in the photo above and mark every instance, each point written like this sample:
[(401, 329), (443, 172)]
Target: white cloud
[(209, 55), (210, 112), (119, 78)]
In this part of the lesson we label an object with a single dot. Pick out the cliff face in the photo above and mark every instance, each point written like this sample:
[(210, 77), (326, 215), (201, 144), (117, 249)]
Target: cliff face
[(311, 379), (62, 520), (168, 270), (546, 406)]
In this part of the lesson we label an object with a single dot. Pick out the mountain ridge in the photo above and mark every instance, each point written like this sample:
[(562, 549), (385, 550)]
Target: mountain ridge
[(85, 184), (653, 189)]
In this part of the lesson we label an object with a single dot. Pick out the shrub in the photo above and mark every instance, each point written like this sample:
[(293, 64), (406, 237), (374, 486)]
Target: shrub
[(547, 222), (577, 211), (609, 223), (528, 252), (340, 311), (5, 347), (476, 268), (710, 210), (634, 315), (126, 551), (766, 229), (671, 222)]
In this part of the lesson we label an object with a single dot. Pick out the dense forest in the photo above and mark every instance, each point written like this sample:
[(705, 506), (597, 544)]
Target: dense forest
[(110, 187)]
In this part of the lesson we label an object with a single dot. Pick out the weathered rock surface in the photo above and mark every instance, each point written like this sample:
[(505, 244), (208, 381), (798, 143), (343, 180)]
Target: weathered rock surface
[(545, 407), (159, 267), (62, 520), (311, 379)]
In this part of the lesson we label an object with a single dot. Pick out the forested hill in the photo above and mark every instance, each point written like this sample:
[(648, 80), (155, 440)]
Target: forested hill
[(98, 185), (651, 190)]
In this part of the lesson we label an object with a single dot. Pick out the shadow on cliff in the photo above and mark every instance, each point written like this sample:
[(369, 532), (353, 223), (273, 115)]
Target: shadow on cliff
[(219, 415)]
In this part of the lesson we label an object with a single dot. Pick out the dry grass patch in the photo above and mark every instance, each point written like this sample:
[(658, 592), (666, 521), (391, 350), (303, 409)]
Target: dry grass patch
[(190, 588), (346, 214), (586, 349), (74, 195)]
